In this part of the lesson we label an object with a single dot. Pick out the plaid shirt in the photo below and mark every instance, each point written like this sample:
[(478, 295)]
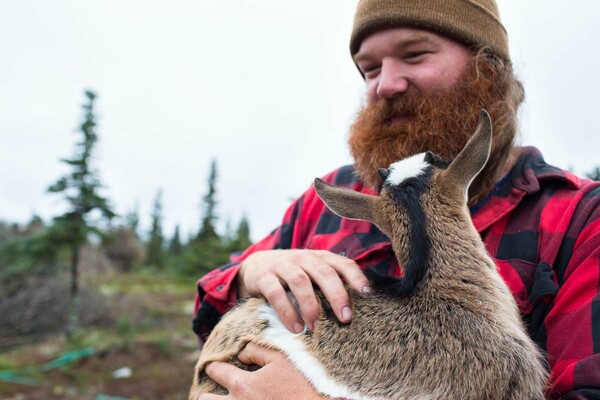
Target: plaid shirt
[(540, 224)]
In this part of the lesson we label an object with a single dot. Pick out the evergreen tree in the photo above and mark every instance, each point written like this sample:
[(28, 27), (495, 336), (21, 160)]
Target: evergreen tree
[(175, 246), (208, 249), (241, 240), (155, 251), (209, 204), (594, 174), (81, 189), (35, 225), (228, 234), (132, 219)]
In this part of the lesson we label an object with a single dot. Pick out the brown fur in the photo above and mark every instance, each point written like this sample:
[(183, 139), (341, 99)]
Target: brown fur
[(458, 337), (237, 328)]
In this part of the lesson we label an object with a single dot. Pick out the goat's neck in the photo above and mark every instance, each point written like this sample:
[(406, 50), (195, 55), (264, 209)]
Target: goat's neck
[(456, 245), (455, 251)]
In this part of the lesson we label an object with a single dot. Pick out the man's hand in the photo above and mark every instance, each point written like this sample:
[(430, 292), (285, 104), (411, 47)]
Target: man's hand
[(269, 273), (277, 379)]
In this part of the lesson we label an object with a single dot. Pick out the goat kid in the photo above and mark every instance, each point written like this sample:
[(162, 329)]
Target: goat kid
[(448, 329)]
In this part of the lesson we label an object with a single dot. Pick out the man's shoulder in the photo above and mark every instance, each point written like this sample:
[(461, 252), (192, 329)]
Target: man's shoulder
[(558, 192), (344, 176), (532, 173), (532, 165)]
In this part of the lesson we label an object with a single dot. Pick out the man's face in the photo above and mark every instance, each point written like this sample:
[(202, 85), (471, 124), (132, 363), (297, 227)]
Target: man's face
[(424, 93), (409, 61)]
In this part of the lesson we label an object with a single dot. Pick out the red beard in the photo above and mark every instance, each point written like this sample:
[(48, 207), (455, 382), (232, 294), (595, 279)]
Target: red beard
[(440, 122)]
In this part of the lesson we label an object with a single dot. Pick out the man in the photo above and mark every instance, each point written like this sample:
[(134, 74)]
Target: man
[(429, 66)]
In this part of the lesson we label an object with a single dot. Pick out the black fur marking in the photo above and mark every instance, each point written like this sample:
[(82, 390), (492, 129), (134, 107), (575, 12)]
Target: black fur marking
[(407, 196), (383, 173), (434, 160)]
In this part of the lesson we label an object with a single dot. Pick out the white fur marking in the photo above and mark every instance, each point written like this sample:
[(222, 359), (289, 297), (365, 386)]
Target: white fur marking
[(293, 346), (410, 167)]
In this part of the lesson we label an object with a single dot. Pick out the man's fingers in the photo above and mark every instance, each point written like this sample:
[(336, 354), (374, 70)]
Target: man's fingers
[(296, 270), (301, 286), (349, 270), (224, 374), (332, 287), (259, 355), (271, 288)]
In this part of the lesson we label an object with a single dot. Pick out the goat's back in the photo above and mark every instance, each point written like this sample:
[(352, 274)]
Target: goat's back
[(394, 349)]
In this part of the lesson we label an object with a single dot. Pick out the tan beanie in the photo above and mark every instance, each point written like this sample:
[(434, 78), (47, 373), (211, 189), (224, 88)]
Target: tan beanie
[(472, 22)]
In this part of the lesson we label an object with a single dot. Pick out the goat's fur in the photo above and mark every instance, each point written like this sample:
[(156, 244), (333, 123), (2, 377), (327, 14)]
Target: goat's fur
[(448, 329)]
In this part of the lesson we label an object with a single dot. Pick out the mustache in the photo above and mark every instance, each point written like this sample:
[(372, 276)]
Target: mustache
[(404, 106)]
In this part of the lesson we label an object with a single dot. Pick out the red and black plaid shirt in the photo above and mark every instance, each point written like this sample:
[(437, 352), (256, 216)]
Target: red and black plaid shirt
[(542, 226)]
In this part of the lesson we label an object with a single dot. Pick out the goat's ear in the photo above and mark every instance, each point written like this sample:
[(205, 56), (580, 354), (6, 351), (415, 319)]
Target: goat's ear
[(473, 156), (346, 202)]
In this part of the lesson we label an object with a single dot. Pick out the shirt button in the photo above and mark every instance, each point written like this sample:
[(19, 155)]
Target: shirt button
[(220, 287), (342, 253)]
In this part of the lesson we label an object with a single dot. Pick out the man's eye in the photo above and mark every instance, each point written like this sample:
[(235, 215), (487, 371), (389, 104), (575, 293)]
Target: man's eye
[(411, 55), (371, 70)]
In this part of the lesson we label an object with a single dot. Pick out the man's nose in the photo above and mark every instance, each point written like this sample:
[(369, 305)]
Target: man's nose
[(392, 81)]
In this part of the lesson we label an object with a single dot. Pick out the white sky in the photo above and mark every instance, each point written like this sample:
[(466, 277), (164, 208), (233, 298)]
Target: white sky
[(266, 87)]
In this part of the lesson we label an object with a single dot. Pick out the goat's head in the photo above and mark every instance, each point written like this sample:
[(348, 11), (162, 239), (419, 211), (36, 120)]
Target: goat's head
[(415, 189)]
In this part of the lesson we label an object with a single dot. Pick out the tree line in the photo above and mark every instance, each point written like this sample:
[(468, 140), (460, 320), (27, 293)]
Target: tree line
[(48, 249)]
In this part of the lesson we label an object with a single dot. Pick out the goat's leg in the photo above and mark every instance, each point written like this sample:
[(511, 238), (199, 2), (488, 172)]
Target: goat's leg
[(241, 325)]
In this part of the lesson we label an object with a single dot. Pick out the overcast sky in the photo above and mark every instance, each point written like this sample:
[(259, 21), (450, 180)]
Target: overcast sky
[(265, 87)]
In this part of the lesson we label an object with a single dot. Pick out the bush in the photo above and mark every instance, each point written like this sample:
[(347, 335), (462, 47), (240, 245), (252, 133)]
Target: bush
[(23, 257), (123, 248), (200, 257), (40, 306)]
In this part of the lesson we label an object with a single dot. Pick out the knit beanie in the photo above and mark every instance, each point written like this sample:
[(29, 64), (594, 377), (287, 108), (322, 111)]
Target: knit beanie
[(472, 22)]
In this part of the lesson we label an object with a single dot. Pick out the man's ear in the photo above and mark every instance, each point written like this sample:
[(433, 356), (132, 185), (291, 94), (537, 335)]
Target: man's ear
[(346, 202)]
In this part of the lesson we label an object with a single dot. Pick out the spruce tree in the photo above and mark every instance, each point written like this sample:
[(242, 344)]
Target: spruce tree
[(132, 220), (208, 249), (241, 240), (87, 208), (594, 174), (155, 251), (175, 246), (208, 231)]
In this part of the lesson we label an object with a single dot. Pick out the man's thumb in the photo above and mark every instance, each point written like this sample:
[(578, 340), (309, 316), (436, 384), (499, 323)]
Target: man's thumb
[(254, 354)]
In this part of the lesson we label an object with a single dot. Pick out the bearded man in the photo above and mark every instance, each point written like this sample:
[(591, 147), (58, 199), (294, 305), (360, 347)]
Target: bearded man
[(429, 67)]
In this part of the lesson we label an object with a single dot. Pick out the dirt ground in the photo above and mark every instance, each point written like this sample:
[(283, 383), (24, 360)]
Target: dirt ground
[(151, 339), (155, 375)]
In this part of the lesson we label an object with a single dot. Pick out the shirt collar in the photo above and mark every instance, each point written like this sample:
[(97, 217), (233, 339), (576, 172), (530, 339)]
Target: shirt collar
[(527, 176)]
